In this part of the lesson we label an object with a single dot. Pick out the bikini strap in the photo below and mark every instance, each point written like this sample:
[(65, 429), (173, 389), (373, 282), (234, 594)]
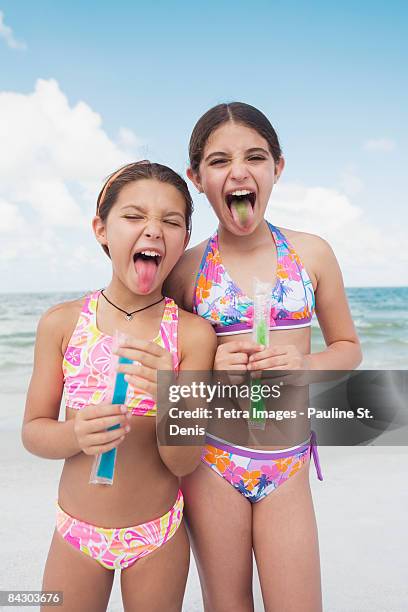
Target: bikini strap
[(91, 303), (203, 266), (283, 246), (87, 316), (315, 455), (169, 330)]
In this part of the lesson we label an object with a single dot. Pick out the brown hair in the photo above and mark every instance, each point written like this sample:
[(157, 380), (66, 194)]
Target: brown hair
[(134, 172), (237, 112)]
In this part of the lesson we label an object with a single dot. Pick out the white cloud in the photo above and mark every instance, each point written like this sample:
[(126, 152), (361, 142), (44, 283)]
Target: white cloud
[(128, 139), (6, 33), (383, 145), (360, 247), (10, 218), (351, 184), (54, 160)]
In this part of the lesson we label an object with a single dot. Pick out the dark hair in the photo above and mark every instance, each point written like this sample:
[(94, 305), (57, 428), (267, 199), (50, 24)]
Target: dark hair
[(237, 112), (134, 172)]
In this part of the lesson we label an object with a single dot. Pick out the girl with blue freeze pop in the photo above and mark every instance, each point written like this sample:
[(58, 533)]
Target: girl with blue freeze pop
[(243, 501), (143, 224)]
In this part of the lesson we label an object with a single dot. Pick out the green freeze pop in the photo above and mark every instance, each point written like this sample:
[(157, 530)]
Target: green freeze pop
[(262, 302), (261, 333)]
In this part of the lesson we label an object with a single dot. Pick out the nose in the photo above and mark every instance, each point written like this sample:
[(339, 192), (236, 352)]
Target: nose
[(239, 170), (153, 229)]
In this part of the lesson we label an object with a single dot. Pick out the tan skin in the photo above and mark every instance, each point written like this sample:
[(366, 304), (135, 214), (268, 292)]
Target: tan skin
[(146, 474), (281, 529)]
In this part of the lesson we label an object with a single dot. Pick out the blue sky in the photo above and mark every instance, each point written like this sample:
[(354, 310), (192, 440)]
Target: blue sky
[(330, 76)]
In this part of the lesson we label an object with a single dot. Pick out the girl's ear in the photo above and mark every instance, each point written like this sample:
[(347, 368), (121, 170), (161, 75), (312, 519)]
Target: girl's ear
[(279, 168), (187, 239), (99, 229), (195, 178)]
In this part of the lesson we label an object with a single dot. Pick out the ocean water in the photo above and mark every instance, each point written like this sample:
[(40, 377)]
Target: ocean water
[(380, 316)]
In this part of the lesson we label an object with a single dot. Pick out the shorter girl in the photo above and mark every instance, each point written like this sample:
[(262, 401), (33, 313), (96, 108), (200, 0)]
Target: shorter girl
[(143, 224)]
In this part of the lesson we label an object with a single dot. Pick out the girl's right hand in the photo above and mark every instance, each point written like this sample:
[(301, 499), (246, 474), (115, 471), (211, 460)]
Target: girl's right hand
[(235, 355), (91, 425)]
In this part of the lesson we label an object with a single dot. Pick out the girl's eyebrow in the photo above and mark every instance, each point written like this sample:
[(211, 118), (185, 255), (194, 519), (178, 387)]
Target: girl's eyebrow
[(174, 213), (248, 151), (133, 206), (143, 210), (214, 154), (259, 150)]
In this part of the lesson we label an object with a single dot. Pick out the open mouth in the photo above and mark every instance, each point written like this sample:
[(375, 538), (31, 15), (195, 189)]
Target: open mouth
[(148, 256), (240, 196), (146, 265), (241, 205)]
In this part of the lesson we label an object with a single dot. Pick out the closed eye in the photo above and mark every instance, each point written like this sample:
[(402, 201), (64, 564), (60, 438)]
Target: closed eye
[(256, 157), (133, 217), (217, 162), (172, 222)]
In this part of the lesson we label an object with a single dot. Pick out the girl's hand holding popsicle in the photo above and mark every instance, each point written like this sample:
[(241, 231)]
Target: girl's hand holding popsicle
[(148, 357), (235, 355), (285, 357), (92, 423)]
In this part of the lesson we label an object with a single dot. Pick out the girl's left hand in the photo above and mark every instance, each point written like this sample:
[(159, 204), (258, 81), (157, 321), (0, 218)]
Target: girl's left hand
[(285, 357), (148, 358)]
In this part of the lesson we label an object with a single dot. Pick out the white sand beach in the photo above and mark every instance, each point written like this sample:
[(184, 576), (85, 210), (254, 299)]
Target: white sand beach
[(361, 509)]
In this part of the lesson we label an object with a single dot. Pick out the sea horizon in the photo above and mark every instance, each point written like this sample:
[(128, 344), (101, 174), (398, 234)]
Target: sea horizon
[(380, 316)]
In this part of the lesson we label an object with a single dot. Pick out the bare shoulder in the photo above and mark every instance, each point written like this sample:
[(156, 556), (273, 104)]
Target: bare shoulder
[(180, 283), (190, 260), (59, 321), (314, 251), (192, 324), (306, 241), (196, 336)]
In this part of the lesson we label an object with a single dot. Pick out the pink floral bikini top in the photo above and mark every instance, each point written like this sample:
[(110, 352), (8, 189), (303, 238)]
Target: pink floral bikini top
[(86, 362), (219, 300)]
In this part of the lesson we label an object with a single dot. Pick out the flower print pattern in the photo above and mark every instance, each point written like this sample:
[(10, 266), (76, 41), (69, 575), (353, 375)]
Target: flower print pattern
[(233, 473), (120, 548), (87, 360), (218, 299), (73, 356), (217, 457), (252, 477), (203, 287)]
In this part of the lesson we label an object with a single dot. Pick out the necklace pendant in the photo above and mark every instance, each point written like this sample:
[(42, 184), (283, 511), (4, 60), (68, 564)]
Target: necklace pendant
[(129, 317)]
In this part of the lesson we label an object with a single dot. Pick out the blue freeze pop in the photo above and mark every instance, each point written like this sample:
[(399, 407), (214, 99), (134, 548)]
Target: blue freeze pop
[(106, 466)]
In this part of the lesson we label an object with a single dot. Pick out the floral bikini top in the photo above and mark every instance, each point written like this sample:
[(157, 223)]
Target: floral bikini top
[(219, 300), (87, 360)]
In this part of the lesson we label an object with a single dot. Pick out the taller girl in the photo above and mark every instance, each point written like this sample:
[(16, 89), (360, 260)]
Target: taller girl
[(236, 159)]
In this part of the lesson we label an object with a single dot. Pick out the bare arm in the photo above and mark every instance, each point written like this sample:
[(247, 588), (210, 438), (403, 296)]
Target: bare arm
[(198, 344), (42, 434), (343, 350)]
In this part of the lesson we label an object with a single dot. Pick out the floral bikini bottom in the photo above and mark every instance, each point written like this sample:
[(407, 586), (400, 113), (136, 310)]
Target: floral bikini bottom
[(119, 548), (255, 473)]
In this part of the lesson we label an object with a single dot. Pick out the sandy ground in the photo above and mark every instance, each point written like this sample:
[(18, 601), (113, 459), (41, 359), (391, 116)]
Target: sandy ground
[(361, 510)]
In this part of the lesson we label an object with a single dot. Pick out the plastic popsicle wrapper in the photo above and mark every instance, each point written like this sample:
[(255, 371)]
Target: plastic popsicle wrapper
[(260, 335), (103, 469)]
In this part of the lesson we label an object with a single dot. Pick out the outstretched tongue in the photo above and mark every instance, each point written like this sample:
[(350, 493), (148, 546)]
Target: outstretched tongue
[(242, 212), (146, 270)]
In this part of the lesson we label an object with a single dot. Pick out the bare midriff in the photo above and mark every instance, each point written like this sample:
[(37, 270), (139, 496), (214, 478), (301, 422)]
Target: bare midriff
[(293, 431), (143, 488)]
